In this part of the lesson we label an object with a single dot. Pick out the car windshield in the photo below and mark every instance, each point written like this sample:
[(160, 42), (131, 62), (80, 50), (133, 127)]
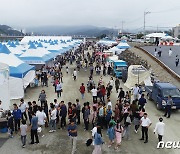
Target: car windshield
[(120, 68), (172, 92)]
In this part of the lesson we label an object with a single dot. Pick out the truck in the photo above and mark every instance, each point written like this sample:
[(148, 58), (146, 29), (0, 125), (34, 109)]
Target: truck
[(159, 93), (118, 67)]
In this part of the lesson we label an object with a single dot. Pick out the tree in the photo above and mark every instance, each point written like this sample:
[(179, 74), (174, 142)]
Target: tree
[(139, 36), (102, 36)]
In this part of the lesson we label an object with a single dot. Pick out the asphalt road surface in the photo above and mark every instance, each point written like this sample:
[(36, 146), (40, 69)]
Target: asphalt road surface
[(165, 58)]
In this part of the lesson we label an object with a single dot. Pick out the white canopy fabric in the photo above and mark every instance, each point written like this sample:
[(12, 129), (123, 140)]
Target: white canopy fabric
[(135, 72), (40, 52), (4, 86), (17, 50), (10, 59), (26, 39), (154, 35), (107, 42), (114, 57)]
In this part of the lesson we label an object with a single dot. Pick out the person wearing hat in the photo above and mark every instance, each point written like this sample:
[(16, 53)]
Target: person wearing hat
[(159, 129)]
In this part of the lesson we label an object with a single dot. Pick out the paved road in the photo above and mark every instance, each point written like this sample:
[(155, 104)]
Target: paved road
[(58, 142), (169, 61)]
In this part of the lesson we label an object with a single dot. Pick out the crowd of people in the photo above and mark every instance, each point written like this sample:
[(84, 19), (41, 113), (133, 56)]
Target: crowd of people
[(97, 114)]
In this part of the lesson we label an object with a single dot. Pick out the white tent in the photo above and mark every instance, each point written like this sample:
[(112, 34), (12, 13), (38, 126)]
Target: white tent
[(21, 74), (4, 86), (137, 73), (26, 39), (112, 58)]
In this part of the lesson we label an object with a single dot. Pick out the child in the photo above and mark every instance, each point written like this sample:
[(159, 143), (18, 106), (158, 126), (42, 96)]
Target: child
[(23, 129), (111, 134), (10, 125)]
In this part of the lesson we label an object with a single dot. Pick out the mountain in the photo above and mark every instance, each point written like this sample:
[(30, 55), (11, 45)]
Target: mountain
[(6, 30), (71, 30)]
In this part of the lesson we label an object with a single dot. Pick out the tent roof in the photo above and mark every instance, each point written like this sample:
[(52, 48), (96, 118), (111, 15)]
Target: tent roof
[(154, 35), (16, 66), (4, 49), (12, 45), (32, 46)]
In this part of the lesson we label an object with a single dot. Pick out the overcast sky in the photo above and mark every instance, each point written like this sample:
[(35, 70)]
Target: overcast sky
[(106, 13)]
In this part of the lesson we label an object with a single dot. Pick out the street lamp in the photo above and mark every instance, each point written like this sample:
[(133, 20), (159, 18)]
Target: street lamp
[(145, 13)]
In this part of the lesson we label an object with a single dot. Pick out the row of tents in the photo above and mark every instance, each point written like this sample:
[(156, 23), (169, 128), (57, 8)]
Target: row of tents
[(20, 60), (117, 48)]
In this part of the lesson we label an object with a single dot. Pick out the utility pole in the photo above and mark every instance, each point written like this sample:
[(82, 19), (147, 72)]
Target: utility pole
[(122, 27), (145, 13)]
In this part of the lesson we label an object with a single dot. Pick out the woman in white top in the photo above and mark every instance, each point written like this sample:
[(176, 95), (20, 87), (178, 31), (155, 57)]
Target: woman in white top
[(170, 52), (59, 89)]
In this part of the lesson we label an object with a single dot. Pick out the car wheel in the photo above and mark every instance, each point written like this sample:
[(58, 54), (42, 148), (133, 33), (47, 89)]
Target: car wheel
[(148, 96), (157, 106)]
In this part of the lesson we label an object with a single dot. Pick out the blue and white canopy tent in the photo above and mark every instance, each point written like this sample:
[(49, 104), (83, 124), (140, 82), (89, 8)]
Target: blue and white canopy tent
[(15, 49), (120, 47), (107, 42), (21, 74), (36, 56)]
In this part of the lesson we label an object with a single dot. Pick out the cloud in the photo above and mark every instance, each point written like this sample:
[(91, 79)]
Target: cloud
[(107, 13)]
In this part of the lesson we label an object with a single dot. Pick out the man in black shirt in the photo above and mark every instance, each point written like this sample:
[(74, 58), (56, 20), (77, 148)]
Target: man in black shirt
[(121, 94)]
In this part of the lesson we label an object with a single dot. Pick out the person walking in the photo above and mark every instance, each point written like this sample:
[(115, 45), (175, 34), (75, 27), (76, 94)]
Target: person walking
[(159, 129), (170, 52), (53, 117), (101, 115), (63, 114), (78, 109), (86, 117), (34, 127), (168, 106), (17, 117), (23, 108), (59, 89), (98, 141), (94, 94), (160, 52), (23, 129), (136, 92), (142, 101), (75, 74), (42, 98), (127, 125), (145, 124), (41, 119), (108, 115), (10, 124), (177, 61), (72, 130), (117, 84), (155, 52), (82, 90), (118, 134), (121, 94), (111, 134)]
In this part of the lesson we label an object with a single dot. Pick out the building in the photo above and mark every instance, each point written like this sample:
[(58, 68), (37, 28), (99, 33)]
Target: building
[(176, 31)]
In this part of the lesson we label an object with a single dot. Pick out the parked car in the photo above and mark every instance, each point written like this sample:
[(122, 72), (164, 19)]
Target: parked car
[(159, 93)]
